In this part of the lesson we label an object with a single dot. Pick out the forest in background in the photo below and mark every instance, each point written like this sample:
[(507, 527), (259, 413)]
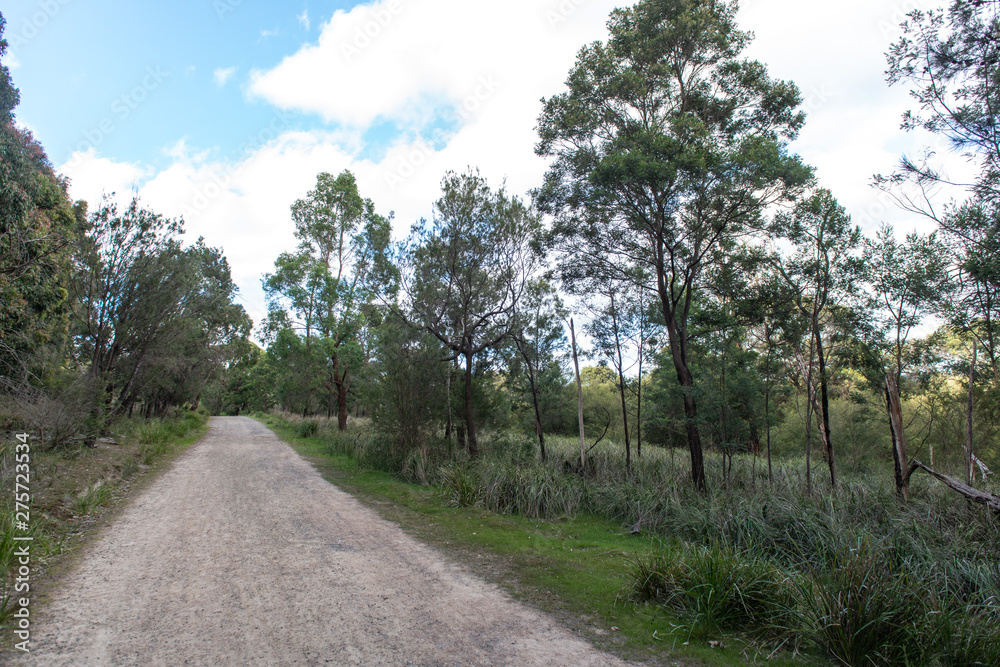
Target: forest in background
[(680, 289)]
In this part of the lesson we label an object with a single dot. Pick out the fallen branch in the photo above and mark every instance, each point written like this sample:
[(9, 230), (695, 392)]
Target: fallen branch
[(982, 497)]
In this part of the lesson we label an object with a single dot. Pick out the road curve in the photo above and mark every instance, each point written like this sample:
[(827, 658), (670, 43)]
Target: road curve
[(241, 554)]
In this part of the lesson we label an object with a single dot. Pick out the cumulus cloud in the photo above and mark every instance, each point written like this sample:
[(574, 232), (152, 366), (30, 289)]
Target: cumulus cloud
[(485, 66), (223, 74), (394, 58)]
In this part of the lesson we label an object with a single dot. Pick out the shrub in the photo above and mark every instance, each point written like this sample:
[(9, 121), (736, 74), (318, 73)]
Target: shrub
[(307, 429)]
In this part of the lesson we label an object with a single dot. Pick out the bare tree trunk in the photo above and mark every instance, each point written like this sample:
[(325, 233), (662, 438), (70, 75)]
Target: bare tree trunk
[(968, 445), (638, 401), (447, 425), (806, 370), (342, 388), (899, 456), (686, 380), (538, 412), (621, 388), (579, 397), (470, 424), (825, 402)]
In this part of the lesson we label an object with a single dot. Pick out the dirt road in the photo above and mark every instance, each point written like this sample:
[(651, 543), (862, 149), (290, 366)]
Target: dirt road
[(241, 554)]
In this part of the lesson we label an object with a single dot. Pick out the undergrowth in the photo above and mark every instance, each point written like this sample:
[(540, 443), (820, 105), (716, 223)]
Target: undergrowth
[(853, 575)]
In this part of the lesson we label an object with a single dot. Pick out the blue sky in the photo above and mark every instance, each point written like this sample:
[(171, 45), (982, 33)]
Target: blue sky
[(224, 111)]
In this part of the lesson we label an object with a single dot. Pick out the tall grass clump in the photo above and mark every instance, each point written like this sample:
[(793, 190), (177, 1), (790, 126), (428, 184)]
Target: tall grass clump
[(460, 483), (716, 589), (531, 490), (867, 610)]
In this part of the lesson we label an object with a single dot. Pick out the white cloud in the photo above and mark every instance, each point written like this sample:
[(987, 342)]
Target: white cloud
[(399, 59), (269, 33), (223, 74), (92, 177), (304, 18), (12, 61), (489, 64)]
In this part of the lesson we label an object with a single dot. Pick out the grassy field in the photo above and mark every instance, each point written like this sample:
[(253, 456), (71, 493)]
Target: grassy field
[(77, 489)]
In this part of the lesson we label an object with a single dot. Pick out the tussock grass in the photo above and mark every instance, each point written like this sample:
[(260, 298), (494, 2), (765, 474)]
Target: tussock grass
[(853, 576)]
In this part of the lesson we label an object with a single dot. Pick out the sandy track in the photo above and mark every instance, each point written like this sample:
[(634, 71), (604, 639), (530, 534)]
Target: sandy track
[(241, 554)]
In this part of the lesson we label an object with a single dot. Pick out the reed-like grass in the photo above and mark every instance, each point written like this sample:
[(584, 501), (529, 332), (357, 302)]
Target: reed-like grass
[(857, 575)]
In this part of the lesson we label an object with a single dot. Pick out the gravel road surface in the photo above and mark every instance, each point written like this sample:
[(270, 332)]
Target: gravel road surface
[(241, 554)]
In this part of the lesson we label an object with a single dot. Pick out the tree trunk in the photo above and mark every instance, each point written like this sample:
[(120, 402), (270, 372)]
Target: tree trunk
[(825, 404), (968, 444), (638, 402), (447, 391), (343, 386), (579, 396), (470, 424), (899, 456), (538, 412), (686, 380), (621, 389)]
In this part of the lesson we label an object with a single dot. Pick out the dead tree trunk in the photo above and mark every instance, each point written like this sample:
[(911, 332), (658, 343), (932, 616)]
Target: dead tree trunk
[(973, 494), (968, 444), (899, 457)]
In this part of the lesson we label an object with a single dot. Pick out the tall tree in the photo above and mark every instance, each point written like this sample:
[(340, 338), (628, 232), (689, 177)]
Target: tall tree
[(666, 145), (341, 268), (538, 336), (820, 270), (155, 319), (468, 272), (908, 282), (613, 328)]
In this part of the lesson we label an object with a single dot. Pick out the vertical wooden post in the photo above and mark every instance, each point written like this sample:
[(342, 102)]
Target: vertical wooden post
[(579, 397)]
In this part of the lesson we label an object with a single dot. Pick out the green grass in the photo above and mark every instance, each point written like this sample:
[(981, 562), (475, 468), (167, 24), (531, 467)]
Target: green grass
[(575, 565)]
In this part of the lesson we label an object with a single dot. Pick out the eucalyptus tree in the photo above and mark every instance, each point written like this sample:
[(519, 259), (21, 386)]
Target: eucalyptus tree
[(539, 338), (665, 145), (614, 327), (951, 57), (324, 289), (908, 281), (468, 271), (820, 272), (973, 235)]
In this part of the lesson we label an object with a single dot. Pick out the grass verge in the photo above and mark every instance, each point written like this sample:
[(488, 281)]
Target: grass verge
[(575, 568), (77, 490)]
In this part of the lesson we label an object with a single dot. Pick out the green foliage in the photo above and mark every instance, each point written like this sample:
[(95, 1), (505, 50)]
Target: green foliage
[(716, 589), (38, 224), (157, 321), (321, 297)]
